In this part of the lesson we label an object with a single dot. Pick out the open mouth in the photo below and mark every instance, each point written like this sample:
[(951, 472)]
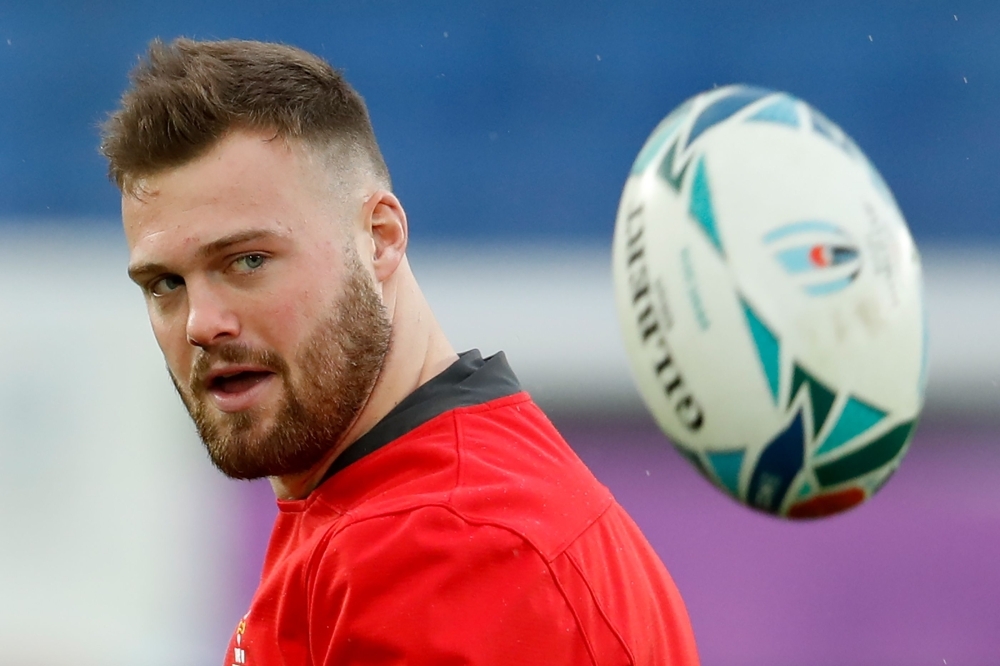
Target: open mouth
[(238, 382)]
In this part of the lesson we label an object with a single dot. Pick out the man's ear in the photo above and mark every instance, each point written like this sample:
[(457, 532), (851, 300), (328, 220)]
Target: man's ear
[(385, 221)]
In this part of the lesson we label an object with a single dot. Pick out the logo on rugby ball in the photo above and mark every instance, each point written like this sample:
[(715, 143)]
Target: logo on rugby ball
[(819, 254)]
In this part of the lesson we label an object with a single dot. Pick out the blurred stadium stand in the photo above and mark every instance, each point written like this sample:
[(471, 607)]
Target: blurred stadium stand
[(520, 119), (509, 129)]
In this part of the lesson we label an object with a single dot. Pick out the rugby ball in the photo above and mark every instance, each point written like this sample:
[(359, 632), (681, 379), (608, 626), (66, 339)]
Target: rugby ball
[(769, 294)]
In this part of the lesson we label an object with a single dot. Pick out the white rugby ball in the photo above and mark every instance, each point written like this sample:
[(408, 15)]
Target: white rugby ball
[(770, 298)]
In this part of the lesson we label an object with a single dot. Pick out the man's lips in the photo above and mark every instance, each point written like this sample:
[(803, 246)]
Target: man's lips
[(237, 388)]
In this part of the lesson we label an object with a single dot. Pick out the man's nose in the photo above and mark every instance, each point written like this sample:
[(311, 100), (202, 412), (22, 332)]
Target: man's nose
[(210, 319)]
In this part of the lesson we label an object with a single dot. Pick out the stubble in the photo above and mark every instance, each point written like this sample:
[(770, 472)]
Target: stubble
[(338, 368)]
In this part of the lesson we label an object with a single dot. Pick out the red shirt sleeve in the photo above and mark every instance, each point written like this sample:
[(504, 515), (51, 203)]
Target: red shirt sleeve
[(427, 587)]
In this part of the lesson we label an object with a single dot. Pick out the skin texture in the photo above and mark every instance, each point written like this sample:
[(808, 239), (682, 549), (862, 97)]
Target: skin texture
[(260, 256)]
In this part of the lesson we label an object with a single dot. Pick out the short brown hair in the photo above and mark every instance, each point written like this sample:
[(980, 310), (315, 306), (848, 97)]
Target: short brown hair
[(187, 95)]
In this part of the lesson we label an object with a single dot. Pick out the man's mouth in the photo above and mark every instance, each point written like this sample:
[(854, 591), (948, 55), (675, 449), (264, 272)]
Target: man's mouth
[(238, 382), (238, 390)]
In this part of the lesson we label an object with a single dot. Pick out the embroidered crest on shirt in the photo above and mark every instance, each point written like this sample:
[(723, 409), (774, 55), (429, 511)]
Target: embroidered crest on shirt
[(239, 653)]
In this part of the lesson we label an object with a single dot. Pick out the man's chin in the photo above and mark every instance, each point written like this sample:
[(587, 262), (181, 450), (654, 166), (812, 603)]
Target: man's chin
[(246, 470), (257, 450)]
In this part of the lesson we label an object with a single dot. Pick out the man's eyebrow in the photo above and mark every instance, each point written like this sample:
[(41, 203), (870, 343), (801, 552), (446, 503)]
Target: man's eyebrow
[(137, 271), (217, 246)]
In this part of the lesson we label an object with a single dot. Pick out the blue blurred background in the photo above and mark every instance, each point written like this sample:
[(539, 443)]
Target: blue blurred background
[(509, 128), (519, 119)]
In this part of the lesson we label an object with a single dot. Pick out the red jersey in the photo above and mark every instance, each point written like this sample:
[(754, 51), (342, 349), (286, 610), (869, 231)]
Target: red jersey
[(462, 529)]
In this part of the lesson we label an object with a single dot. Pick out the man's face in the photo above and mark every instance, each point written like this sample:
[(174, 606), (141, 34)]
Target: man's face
[(271, 326)]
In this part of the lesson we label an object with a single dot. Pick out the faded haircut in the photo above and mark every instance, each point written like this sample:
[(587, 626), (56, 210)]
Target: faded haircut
[(187, 95)]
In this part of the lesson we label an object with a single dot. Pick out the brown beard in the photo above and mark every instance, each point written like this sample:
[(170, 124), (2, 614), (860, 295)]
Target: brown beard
[(339, 367)]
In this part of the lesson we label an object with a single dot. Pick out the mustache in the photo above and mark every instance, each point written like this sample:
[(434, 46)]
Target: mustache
[(234, 354)]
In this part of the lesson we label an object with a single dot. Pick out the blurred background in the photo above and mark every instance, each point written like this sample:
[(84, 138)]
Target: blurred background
[(509, 128)]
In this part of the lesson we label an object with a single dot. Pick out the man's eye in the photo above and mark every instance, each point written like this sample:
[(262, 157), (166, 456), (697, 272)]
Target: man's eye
[(165, 285), (249, 262)]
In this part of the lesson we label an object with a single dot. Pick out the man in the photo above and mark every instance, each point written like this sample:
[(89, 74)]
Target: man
[(429, 512)]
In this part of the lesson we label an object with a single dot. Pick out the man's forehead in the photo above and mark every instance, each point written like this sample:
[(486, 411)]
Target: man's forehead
[(241, 171), (248, 181)]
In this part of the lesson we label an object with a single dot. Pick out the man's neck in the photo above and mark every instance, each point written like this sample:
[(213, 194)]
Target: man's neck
[(419, 352)]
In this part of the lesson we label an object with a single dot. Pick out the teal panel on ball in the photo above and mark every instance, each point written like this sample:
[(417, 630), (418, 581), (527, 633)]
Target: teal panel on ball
[(821, 396), (726, 465), (701, 204), (866, 459), (856, 418), (768, 349), (668, 165), (782, 111), (663, 133), (736, 99)]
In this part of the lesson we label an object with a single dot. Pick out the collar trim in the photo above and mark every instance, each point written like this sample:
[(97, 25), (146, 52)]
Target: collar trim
[(471, 380)]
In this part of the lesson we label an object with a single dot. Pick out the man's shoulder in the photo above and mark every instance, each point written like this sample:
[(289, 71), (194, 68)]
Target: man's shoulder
[(476, 526), (501, 463)]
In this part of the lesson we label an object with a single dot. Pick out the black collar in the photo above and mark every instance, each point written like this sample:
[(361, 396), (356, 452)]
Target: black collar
[(471, 380)]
